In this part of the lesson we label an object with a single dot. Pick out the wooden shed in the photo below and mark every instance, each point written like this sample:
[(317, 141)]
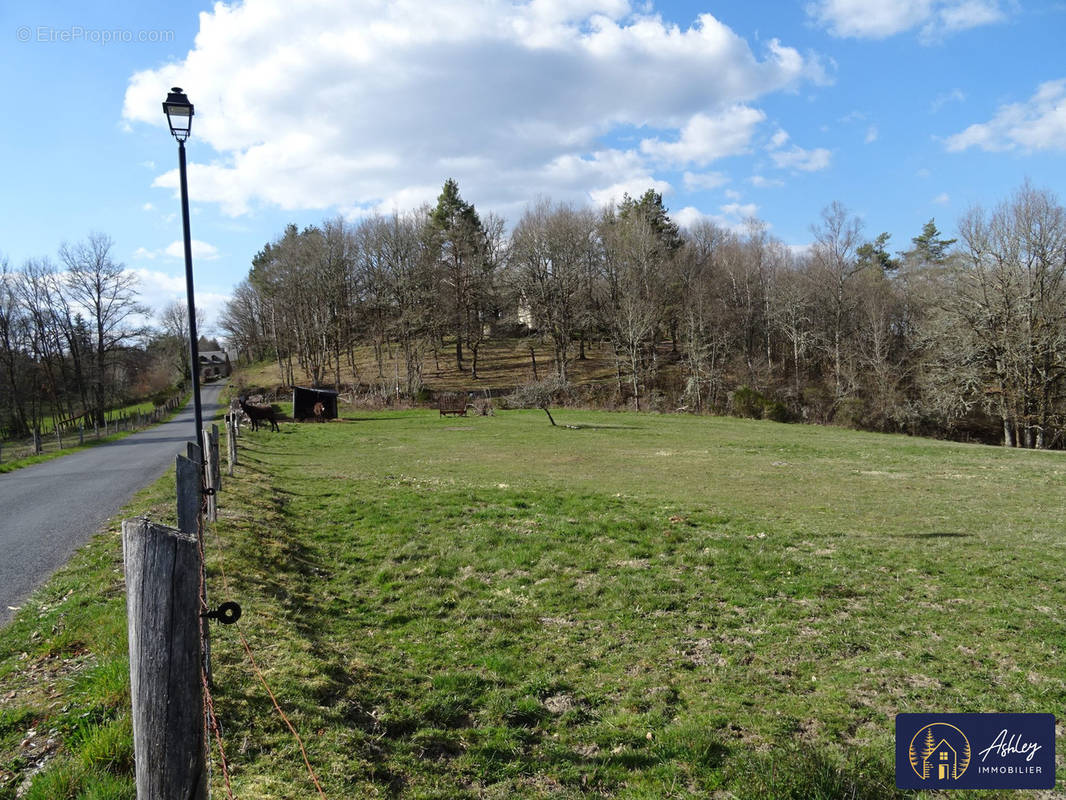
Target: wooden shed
[(304, 399)]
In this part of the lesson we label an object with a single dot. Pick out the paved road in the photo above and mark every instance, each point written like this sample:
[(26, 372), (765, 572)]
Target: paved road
[(49, 510)]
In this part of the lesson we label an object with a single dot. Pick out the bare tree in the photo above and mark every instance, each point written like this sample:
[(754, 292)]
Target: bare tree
[(834, 266), (174, 321), (106, 292), (1012, 298), (549, 251)]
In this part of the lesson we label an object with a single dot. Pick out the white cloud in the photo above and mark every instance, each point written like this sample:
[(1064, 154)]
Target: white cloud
[(705, 138), (942, 199), (871, 134), (740, 210), (734, 217), (804, 160), (1037, 124), (147, 207), (878, 19), (356, 106), (761, 182), (941, 100), (201, 251), (634, 188), (158, 289), (778, 139), (704, 180), (689, 217)]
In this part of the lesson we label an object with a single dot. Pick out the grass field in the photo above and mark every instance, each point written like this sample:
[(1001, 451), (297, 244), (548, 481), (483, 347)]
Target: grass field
[(18, 454), (640, 606)]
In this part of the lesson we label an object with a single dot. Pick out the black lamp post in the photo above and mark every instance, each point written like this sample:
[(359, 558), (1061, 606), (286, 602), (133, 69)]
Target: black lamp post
[(179, 115)]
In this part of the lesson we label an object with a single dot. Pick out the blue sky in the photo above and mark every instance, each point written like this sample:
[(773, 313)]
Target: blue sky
[(902, 110)]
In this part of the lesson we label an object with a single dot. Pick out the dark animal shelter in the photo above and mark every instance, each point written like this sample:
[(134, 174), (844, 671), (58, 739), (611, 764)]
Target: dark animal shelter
[(304, 400)]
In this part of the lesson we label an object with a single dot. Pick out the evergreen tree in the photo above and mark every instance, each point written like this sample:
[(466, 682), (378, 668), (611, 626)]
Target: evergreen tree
[(929, 247), (874, 254), (460, 238)]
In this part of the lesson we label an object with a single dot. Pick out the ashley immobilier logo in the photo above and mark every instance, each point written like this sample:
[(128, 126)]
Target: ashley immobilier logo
[(975, 751)]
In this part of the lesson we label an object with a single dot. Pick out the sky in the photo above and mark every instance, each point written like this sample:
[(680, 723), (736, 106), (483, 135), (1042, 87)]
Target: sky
[(901, 110)]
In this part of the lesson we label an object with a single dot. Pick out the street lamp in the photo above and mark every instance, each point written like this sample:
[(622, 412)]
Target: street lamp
[(179, 113)]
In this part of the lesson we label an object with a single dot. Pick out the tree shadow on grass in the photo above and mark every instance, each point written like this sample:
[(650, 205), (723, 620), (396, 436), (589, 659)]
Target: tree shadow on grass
[(938, 535), (595, 427), (804, 772)]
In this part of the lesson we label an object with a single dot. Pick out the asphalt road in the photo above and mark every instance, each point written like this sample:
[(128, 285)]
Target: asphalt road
[(47, 511)]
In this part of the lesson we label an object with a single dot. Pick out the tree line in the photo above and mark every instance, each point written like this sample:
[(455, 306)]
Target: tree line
[(961, 337), (74, 340)]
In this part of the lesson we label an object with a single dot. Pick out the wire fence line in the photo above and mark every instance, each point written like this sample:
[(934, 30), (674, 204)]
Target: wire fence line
[(198, 497), (72, 433)]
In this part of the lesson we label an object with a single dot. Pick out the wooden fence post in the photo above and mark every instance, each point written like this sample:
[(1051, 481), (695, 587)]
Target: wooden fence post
[(36, 441), (209, 477), (190, 486), (231, 442), (81, 433), (166, 687), (216, 461)]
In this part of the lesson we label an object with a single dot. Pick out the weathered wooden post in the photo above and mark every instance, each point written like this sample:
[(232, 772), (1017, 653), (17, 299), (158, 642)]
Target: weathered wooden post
[(190, 487), (81, 433), (231, 442), (209, 477), (216, 461), (36, 441), (166, 687), (59, 438)]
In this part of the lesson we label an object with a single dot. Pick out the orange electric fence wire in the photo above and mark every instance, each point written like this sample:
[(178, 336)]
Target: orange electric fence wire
[(209, 701), (262, 680)]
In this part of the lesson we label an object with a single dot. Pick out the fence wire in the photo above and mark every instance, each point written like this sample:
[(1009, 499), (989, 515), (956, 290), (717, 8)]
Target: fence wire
[(208, 700)]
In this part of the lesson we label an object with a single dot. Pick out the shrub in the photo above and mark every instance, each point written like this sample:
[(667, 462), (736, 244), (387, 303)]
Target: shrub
[(747, 403), (851, 412), (776, 411)]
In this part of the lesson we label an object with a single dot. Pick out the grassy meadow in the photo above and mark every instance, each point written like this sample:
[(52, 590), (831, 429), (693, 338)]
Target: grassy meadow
[(637, 606), (16, 454)]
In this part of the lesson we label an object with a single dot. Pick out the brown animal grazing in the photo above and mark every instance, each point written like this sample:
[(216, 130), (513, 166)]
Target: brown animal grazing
[(259, 413), (319, 410)]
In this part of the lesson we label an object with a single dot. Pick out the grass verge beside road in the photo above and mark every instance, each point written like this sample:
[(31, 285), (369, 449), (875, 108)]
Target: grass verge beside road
[(64, 675), (12, 464), (639, 607)]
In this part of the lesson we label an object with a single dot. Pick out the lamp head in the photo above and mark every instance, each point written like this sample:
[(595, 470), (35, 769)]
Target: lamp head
[(179, 113)]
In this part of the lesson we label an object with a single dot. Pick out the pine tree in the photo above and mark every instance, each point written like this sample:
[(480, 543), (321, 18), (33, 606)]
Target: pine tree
[(929, 247), (461, 242), (874, 254), (927, 750)]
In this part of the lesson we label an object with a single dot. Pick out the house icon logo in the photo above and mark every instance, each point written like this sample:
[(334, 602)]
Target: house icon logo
[(939, 752)]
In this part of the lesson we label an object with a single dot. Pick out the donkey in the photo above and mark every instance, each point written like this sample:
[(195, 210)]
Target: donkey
[(259, 413)]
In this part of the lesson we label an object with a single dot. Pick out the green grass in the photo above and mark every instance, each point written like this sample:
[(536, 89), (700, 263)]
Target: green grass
[(638, 607), (9, 464), (64, 676)]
